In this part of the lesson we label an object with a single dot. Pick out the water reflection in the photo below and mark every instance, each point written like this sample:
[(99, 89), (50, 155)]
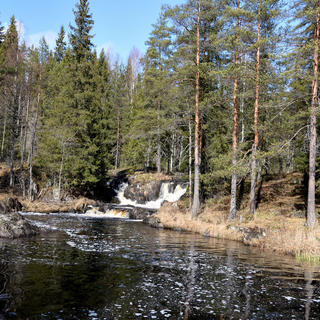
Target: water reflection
[(107, 269)]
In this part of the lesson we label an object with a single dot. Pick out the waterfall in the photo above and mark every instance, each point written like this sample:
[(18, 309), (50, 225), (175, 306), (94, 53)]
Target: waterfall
[(167, 193)]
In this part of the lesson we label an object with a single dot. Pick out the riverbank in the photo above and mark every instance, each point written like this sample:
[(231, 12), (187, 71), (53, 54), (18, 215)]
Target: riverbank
[(267, 230), (76, 205)]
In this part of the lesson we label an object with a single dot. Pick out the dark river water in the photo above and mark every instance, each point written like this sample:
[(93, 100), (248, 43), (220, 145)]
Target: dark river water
[(115, 269)]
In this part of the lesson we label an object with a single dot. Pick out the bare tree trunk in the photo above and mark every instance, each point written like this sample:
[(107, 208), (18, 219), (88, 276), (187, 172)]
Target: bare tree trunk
[(190, 164), (4, 131), (196, 195), (14, 123), (311, 217), (172, 152), (60, 172), (242, 104), (256, 118), (158, 140), (13, 140), (233, 199), (181, 151), (148, 154), (24, 134), (31, 187), (118, 137)]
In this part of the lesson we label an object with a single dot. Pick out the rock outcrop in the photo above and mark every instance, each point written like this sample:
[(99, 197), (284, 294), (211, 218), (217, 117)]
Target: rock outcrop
[(10, 205), (13, 225), (142, 193)]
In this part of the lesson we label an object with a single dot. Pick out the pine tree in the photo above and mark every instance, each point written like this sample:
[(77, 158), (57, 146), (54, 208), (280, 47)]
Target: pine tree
[(256, 117), (157, 77), (233, 198), (263, 16), (194, 24), (306, 70)]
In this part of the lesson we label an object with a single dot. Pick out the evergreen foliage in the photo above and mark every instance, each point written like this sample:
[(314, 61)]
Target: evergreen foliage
[(73, 114)]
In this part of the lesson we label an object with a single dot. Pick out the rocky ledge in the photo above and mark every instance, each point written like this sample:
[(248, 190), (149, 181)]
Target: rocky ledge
[(13, 225)]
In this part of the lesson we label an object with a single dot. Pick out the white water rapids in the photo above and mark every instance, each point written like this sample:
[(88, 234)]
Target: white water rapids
[(165, 195)]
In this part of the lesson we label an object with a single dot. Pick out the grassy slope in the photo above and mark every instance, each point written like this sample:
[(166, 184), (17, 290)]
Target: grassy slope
[(280, 216)]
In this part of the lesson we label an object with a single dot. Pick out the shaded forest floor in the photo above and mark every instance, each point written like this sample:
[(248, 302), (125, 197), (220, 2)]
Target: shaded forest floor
[(278, 225)]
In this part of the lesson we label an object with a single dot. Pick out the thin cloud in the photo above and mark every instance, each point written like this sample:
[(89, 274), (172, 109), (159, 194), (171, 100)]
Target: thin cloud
[(34, 39)]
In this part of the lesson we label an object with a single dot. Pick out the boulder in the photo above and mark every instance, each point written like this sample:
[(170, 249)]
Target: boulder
[(250, 233), (13, 225), (10, 205), (140, 213), (142, 193), (82, 205), (153, 222)]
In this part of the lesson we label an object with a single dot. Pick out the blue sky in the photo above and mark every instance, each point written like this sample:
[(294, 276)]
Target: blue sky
[(119, 24)]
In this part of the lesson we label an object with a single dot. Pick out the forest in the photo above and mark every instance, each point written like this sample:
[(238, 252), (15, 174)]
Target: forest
[(226, 92)]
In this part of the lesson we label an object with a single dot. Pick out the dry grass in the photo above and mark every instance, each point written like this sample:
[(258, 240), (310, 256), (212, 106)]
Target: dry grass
[(49, 207), (284, 235), (177, 218)]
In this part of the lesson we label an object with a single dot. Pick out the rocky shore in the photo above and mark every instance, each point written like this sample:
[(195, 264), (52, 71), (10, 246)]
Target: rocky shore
[(12, 224)]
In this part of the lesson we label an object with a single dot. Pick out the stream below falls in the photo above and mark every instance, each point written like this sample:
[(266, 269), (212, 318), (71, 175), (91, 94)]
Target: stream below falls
[(89, 268)]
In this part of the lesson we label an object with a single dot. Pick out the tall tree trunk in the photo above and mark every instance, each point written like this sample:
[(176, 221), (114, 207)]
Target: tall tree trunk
[(181, 152), (190, 163), (242, 102), (24, 133), (60, 172), (233, 199), (311, 217), (118, 137), (196, 195), (14, 123), (158, 160), (13, 140), (4, 131), (33, 138), (172, 152), (256, 118)]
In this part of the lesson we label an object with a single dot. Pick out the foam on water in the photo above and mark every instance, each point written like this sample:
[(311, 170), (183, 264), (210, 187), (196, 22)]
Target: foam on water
[(91, 213)]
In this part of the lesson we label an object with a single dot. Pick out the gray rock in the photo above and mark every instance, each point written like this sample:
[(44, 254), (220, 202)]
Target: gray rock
[(13, 225), (250, 233), (10, 205), (142, 193), (153, 221)]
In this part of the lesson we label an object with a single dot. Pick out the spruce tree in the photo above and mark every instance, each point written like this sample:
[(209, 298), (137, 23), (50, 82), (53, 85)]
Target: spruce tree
[(11, 47), (80, 37), (60, 45)]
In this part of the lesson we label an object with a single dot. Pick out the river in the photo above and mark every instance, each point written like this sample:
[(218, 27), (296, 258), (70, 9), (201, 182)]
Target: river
[(88, 268)]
